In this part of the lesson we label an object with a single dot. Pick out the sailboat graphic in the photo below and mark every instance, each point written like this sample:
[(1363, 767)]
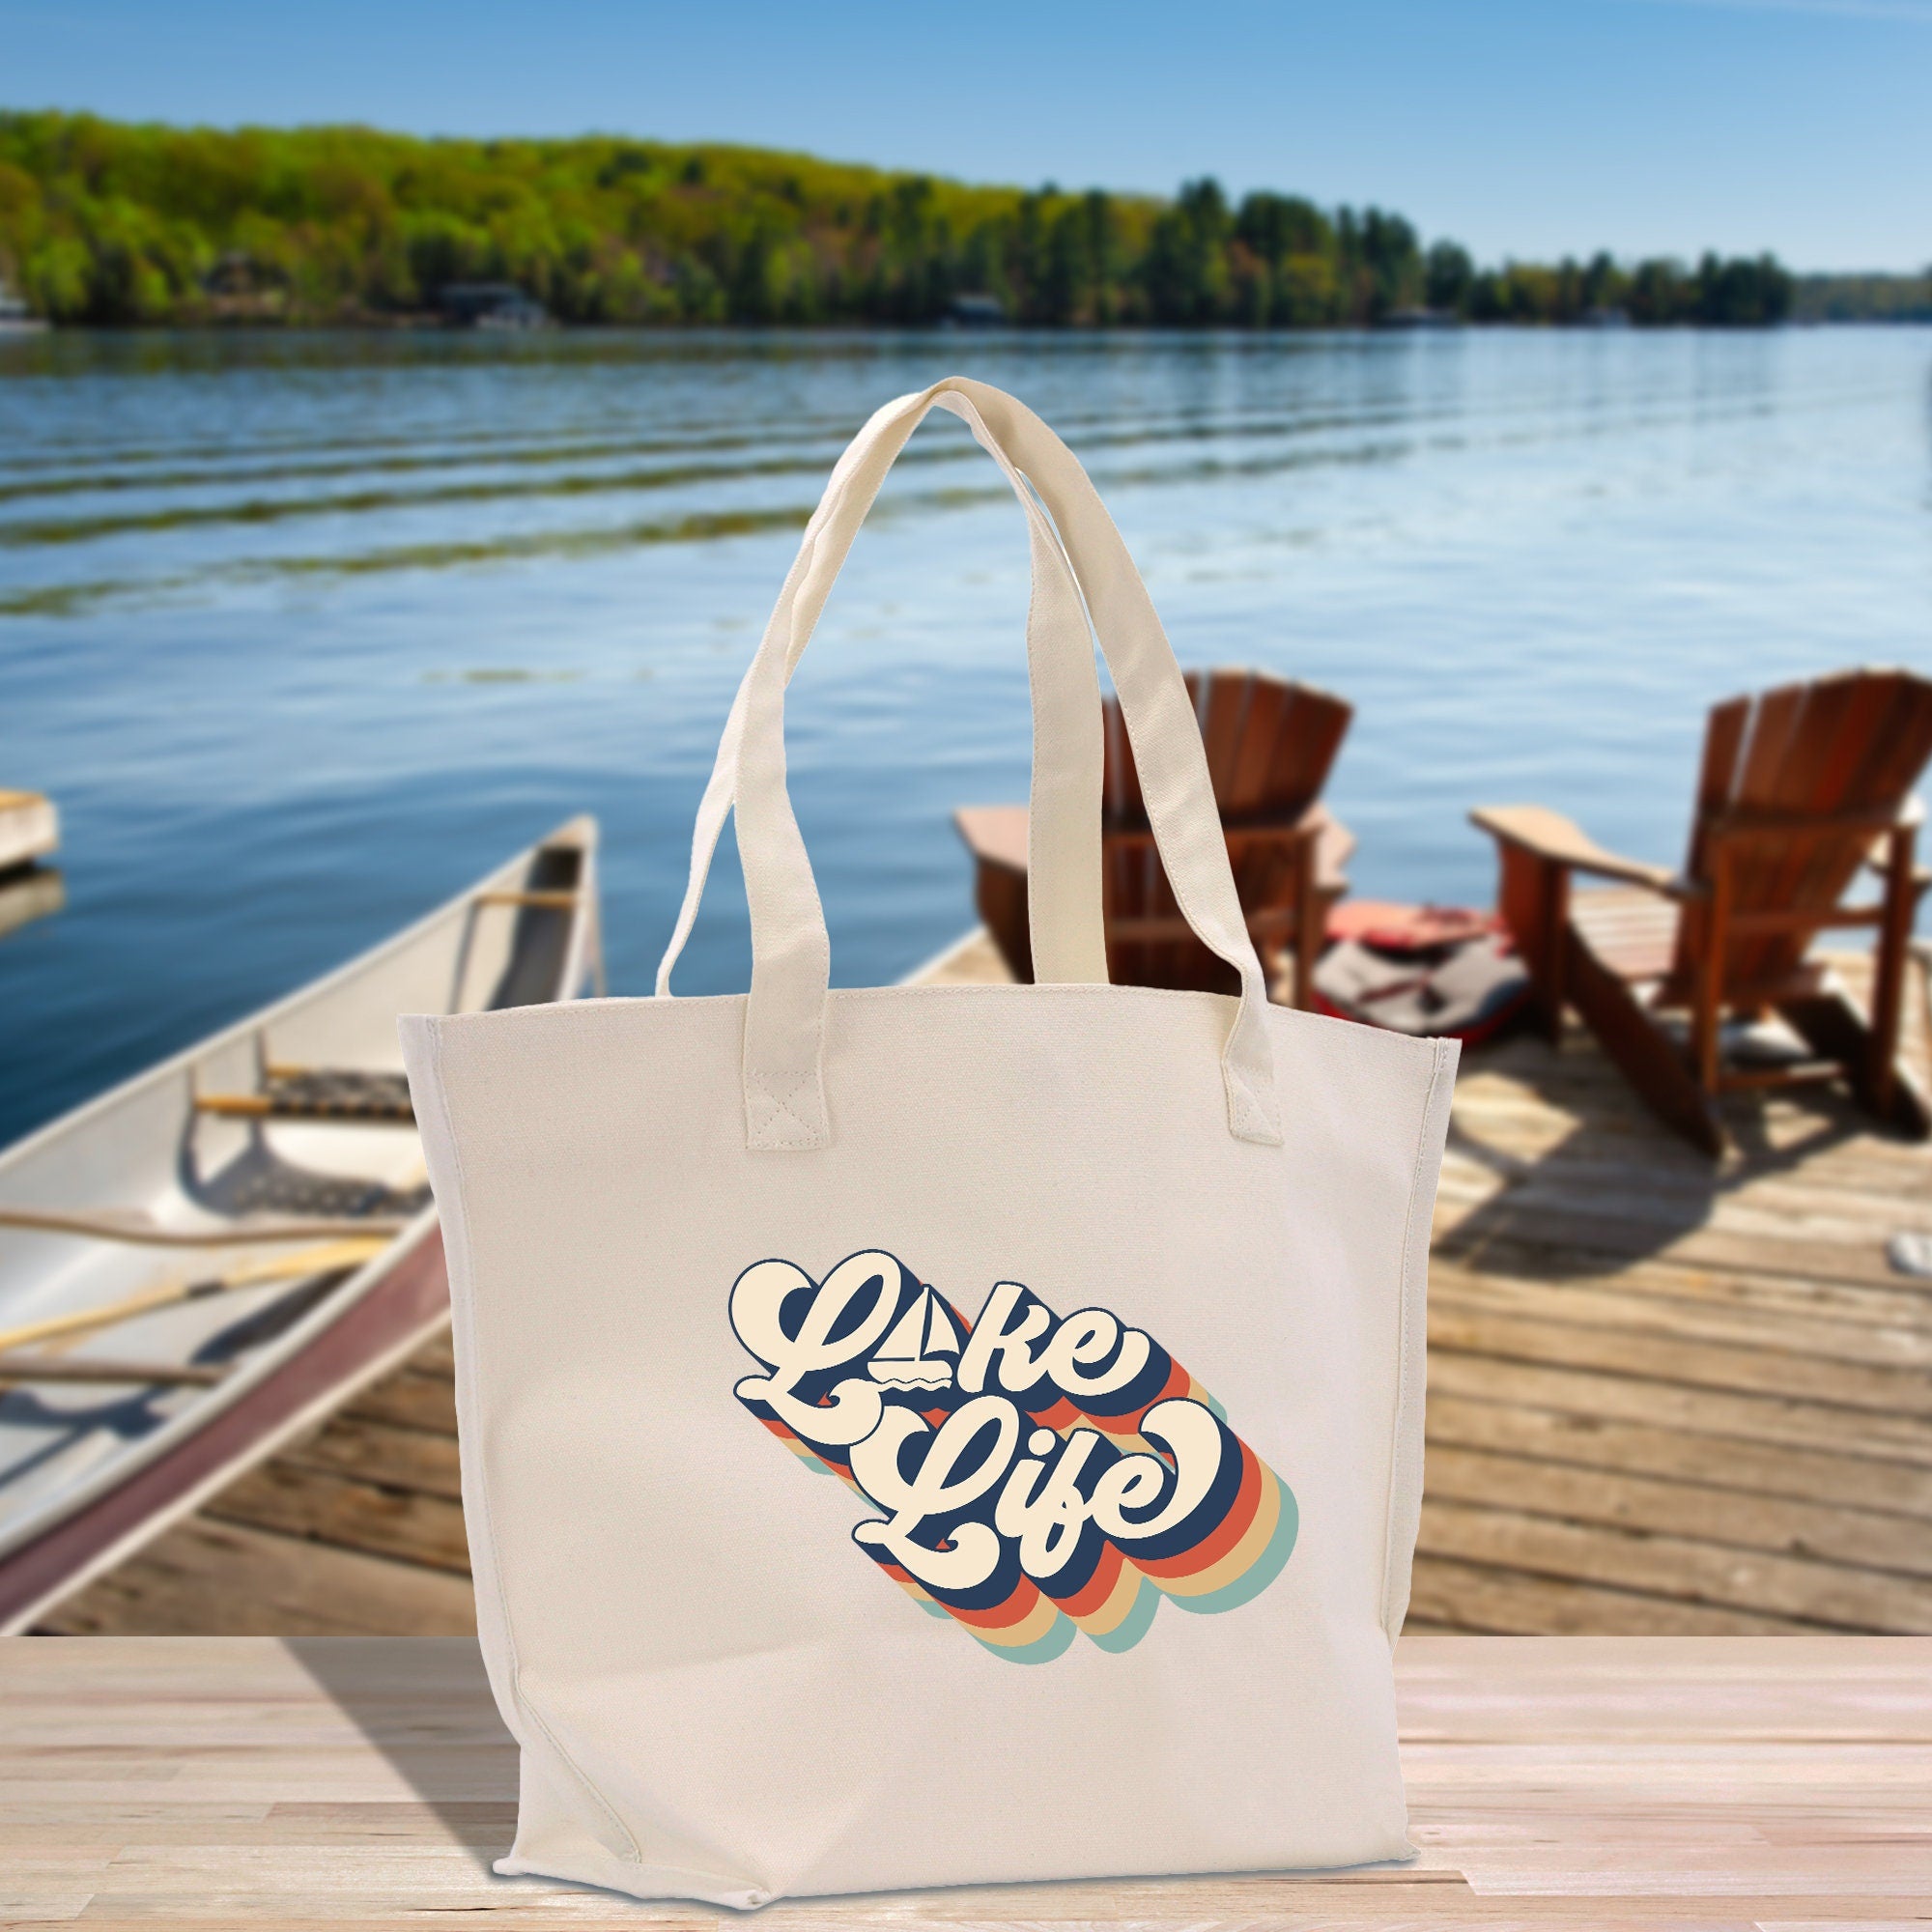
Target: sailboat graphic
[(922, 1348)]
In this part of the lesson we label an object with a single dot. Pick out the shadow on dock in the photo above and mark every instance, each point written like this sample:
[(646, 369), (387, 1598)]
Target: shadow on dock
[(1614, 1188)]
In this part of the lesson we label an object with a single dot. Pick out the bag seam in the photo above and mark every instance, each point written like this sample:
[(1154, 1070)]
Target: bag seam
[(723, 1881), (525, 1704), (1412, 1264), (994, 990)]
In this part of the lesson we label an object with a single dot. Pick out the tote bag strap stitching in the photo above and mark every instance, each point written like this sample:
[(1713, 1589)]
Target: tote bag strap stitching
[(807, 1134), (458, 1225)]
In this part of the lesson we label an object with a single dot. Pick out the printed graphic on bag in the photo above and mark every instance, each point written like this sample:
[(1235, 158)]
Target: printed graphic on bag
[(1038, 1476)]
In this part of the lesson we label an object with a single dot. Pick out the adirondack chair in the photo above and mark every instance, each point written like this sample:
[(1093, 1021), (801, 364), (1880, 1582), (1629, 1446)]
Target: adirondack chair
[(1271, 744), (1802, 789)]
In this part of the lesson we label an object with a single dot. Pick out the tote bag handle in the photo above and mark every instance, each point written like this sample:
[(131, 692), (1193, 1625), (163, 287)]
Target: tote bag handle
[(784, 1014), (1064, 825)]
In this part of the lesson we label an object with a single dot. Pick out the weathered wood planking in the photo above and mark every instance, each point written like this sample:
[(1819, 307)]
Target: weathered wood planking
[(1664, 1398), (1622, 1783)]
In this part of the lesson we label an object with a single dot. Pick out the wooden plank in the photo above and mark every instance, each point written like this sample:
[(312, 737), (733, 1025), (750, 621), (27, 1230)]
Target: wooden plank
[(1822, 1203), (1613, 1231), (1835, 1535), (435, 1357), (1503, 1600), (411, 1400), (1717, 1416), (1511, 1131), (1594, 1441), (300, 1500), (1756, 1581), (206, 1576), (1898, 1402), (1846, 1305), (1695, 1783), (1697, 1308), (418, 1460), (1544, 1153)]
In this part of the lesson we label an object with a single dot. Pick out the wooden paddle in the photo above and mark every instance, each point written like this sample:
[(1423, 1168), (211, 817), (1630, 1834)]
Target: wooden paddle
[(134, 1225), (148, 1374), (326, 1258)]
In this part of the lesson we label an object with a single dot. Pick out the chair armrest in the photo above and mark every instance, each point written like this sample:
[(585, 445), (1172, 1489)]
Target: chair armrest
[(1334, 847), (995, 834), (1561, 842)]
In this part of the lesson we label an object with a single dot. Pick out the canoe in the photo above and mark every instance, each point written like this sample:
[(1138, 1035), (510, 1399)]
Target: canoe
[(200, 1263)]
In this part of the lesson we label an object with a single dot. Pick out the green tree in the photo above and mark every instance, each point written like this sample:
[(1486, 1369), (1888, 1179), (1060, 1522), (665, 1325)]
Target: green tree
[(112, 223), (1449, 278)]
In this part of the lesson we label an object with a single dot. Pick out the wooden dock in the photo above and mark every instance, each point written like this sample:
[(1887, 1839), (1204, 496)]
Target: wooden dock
[(1664, 1398)]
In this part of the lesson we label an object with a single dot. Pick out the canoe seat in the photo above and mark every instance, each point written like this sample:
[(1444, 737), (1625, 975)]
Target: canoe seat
[(318, 1094), (262, 1182)]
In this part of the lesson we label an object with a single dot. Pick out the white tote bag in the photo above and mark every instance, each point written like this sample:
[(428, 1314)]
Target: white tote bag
[(936, 1434)]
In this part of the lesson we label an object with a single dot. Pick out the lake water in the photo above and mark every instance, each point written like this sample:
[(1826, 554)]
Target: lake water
[(303, 632)]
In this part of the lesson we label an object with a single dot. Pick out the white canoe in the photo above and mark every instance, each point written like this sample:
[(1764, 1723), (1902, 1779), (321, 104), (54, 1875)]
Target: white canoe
[(263, 1193)]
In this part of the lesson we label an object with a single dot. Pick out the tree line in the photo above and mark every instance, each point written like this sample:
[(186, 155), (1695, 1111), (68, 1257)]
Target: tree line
[(109, 223)]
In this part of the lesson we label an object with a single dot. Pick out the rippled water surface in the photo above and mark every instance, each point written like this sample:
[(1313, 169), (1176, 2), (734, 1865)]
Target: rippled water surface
[(302, 631)]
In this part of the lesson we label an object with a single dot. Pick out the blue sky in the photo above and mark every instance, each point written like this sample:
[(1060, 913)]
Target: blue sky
[(1643, 126)]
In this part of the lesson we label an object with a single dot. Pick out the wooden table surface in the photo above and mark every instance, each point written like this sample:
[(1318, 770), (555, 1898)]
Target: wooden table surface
[(1613, 1782)]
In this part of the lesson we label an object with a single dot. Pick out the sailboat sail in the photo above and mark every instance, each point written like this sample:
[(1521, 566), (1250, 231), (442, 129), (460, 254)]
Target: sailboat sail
[(921, 1349)]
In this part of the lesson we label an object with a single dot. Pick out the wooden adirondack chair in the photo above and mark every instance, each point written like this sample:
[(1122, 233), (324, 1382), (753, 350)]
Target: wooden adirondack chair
[(1802, 789), (1271, 744)]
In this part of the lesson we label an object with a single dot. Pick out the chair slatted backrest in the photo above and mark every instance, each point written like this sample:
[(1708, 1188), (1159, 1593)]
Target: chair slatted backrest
[(1271, 744), (1855, 742)]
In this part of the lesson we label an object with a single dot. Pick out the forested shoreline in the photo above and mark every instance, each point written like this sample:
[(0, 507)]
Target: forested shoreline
[(113, 225)]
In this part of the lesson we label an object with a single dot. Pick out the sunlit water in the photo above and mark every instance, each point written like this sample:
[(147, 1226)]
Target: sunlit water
[(303, 632)]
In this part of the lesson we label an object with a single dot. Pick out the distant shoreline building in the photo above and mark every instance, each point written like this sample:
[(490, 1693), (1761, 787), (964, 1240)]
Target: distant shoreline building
[(976, 312), (489, 305), (15, 318), (238, 288)]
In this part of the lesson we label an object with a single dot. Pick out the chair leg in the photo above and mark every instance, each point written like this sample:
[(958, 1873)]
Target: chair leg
[(1311, 922), (1834, 1029), (1533, 899), (1708, 993), (1639, 1049), (1001, 895), (1889, 966)]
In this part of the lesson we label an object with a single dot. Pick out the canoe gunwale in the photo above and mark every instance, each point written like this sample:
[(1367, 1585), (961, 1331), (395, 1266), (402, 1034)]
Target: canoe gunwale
[(36, 1524)]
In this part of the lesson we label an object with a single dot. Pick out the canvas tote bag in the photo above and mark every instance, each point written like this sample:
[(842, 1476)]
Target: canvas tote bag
[(934, 1433)]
